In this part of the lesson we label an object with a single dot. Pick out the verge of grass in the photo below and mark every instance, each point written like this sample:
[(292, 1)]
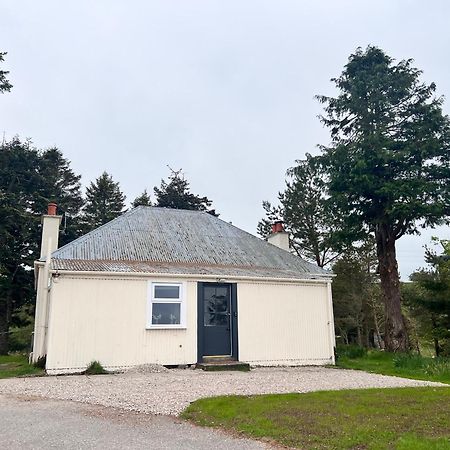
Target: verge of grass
[(17, 365), (401, 418), (407, 366)]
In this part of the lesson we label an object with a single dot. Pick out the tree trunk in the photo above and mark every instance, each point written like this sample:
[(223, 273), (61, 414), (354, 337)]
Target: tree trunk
[(4, 332), (395, 334), (437, 348)]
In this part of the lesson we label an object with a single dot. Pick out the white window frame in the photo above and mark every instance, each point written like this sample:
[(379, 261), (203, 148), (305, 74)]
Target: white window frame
[(152, 299)]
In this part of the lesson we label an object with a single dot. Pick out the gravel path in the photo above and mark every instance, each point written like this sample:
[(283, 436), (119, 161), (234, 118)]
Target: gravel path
[(171, 391)]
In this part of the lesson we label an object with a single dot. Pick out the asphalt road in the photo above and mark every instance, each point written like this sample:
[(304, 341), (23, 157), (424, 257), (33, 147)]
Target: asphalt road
[(34, 423)]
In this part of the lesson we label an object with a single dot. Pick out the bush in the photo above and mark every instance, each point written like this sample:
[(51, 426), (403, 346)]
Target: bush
[(20, 338), (350, 351), (95, 368), (40, 363)]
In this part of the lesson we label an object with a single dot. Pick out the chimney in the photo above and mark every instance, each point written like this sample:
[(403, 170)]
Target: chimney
[(50, 230), (279, 237)]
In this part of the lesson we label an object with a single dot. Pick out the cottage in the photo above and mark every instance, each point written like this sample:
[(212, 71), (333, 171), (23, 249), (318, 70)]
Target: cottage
[(177, 287)]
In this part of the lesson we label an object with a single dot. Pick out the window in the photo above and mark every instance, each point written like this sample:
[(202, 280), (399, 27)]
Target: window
[(166, 306)]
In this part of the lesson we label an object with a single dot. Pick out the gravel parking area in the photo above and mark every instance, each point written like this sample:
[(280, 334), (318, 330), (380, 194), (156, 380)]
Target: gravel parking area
[(170, 391)]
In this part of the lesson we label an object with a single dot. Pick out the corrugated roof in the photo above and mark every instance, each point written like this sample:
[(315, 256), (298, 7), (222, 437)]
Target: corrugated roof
[(162, 240)]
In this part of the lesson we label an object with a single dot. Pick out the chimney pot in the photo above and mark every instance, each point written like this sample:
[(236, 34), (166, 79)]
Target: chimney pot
[(51, 209), (277, 227)]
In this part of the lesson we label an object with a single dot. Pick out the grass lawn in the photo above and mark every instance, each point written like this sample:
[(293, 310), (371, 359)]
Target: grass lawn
[(16, 365), (401, 418), (416, 367)]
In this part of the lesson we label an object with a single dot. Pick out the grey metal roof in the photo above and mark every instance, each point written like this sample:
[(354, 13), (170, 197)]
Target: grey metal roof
[(162, 240)]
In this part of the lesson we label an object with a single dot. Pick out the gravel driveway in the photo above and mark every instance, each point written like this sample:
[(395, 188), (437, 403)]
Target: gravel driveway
[(170, 391)]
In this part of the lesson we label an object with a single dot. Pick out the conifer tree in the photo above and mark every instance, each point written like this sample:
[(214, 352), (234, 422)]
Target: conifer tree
[(314, 224), (104, 202), (29, 180), (5, 85), (175, 193), (142, 200), (388, 164)]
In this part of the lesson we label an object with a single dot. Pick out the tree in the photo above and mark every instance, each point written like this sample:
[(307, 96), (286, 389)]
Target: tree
[(104, 202), (388, 162), (5, 85), (356, 297), (61, 185), (29, 180), (175, 193), (430, 299), (312, 221), (142, 200)]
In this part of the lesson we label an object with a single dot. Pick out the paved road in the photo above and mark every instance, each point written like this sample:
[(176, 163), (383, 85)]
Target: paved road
[(33, 423)]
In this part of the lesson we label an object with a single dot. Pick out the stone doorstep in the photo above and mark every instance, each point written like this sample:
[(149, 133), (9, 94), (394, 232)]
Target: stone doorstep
[(222, 364)]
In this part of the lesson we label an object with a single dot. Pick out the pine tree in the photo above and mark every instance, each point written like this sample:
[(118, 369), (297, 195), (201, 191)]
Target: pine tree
[(388, 164), (142, 200), (29, 180), (430, 300), (104, 202), (62, 186), (314, 224), (176, 194), (5, 85)]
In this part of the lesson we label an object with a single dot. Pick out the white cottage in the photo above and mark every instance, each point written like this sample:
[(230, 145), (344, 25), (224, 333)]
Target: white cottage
[(177, 287)]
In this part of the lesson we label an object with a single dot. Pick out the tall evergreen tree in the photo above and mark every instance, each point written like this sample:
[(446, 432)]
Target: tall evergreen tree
[(142, 200), (314, 224), (62, 186), (104, 202), (175, 193), (5, 85), (357, 304), (28, 182), (388, 162), (430, 301)]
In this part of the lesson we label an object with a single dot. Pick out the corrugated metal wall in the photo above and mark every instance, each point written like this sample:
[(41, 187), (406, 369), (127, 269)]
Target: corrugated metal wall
[(105, 320), (284, 324)]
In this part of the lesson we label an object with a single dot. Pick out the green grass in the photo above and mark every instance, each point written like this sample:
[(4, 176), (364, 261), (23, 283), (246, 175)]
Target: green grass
[(402, 418), (17, 365), (95, 368), (407, 366)]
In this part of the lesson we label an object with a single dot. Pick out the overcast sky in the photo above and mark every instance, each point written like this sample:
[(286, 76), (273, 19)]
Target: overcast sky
[(222, 89)]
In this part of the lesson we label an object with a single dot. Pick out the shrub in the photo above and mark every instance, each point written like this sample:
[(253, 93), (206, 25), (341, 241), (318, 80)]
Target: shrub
[(350, 351), (95, 368), (40, 363)]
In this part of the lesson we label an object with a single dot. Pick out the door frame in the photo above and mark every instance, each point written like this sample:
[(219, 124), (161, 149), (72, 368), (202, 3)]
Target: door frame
[(233, 319)]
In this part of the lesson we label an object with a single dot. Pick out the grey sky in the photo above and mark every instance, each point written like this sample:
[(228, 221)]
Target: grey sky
[(223, 89)]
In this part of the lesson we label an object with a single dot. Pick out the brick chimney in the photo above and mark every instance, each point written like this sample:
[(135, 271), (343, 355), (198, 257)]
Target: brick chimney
[(50, 230), (279, 237)]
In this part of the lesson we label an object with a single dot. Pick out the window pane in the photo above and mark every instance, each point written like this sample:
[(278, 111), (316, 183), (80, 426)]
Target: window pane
[(216, 320), (166, 314), (162, 291)]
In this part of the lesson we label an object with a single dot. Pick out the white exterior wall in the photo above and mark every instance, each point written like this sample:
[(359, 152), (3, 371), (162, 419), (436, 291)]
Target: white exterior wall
[(285, 324), (104, 319), (41, 314)]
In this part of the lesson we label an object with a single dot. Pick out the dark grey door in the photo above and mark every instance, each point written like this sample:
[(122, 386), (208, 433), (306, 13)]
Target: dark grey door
[(215, 317)]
